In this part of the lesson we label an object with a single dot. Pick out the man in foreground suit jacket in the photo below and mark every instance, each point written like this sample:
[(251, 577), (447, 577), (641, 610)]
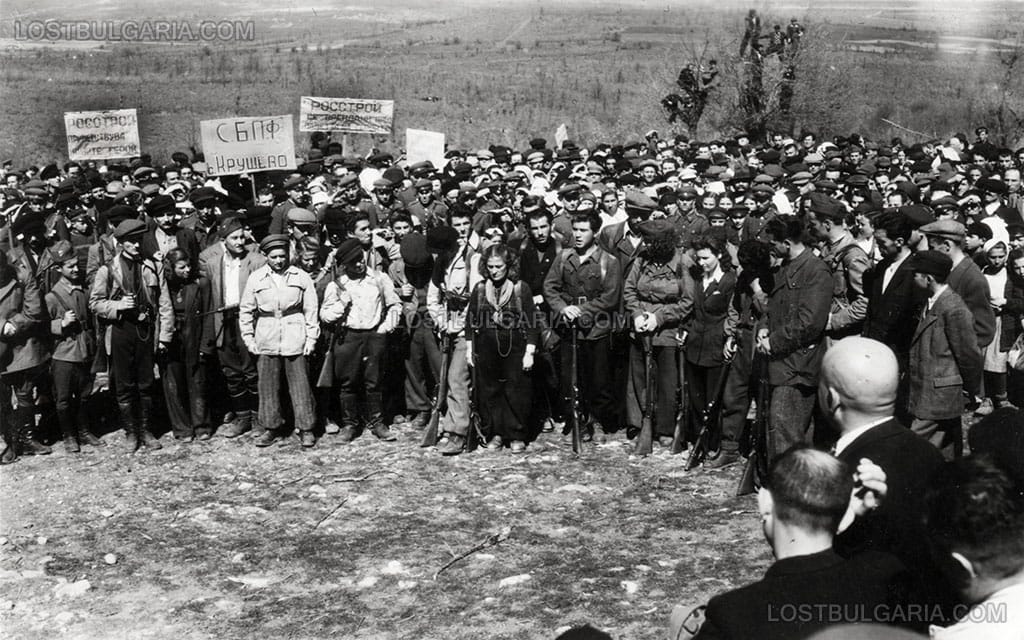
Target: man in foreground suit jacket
[(810, 586), (857, 394)]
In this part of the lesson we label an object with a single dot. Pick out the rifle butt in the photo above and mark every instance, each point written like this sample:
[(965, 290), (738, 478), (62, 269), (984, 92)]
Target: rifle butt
[(430, 433), (747, 483), (645, 441)]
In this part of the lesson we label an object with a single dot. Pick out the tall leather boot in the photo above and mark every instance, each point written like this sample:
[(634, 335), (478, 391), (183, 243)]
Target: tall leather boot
[(349, 417), (374, 418), (131, 429), (68, 430), (87, 437), (25, 418), (9, 453), (148, 439)]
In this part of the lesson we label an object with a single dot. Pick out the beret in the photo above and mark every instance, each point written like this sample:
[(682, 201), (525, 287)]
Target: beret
[(992, 185), (129, 229), (950, 229), (654, 229), (637, 201), (442, 239), (348, 180), (62, 251), (274, 241), (160, 205), (230, 225), (300, 216), (350, 250), (414, 250), (931, 262)]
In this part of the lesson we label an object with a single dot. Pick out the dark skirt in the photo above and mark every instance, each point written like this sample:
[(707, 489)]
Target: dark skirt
[(504, 395)]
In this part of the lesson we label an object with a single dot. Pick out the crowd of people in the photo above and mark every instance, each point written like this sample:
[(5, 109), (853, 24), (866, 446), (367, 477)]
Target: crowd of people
[(835, 288)]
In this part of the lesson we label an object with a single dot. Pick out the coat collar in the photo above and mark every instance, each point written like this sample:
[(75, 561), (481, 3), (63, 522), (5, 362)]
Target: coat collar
[(798, 565)]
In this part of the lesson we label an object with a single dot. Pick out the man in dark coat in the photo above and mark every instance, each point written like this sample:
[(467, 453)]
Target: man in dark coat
[(857, 395), (945, 358), (810, 586), (794, 341)]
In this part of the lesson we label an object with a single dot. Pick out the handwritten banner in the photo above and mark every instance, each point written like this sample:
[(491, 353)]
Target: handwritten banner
[(346, 114), (248, 145), (95, 135)]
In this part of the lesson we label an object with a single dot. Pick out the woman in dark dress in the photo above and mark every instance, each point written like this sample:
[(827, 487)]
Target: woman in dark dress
[(502, 340)]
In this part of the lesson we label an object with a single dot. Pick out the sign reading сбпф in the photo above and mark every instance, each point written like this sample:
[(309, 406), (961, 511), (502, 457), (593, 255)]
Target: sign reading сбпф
[(347, 115), (97, 135), (248, 145)]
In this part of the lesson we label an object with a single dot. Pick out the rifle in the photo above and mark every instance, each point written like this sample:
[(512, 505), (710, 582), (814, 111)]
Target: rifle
[(430, 434), (756, 468), (574, 393), (475, 436), (683, 414), (699, 451), (644, 442)]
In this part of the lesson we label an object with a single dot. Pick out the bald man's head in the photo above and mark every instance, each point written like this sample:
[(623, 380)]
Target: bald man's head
[(859, 377)]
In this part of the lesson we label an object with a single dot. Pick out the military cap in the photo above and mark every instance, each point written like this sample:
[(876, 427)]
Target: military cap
[(931, 262), (294, 182), (130, 229), (62, 251), (426, 166), (826, 206), (204, 196), (638, 201), (230, 225), (442, 239), (814, 158), (423, 183), (762, 188), (274, 241), (800, 177), (949, 229), (569, 188), (538, 143), (380, 158), (348, 180), (718, 213), (299, 215), (535, 156), (39, 192), (414, 250), (382, 183), (687, 174), (159, 206), (688, 192), (825, 185), (144, 173)]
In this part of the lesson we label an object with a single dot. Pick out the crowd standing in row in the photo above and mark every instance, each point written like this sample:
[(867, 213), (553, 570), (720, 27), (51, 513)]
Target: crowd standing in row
[(615, 283)]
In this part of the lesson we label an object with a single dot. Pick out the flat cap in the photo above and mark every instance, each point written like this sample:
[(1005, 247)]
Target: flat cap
[(918, 214), (230, 225), (931, 262), (950, 229), (992, 185), (299, 215), (159, 206), (294, 182), (638, 201), (655, 229), (414, 250), (348, 180), (442, 239), (129, 229), (274, 241), (801, 177)]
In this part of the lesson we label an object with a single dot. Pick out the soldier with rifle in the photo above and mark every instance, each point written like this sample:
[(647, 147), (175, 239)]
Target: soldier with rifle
[(362, 306), (582, 289), (658, 297)]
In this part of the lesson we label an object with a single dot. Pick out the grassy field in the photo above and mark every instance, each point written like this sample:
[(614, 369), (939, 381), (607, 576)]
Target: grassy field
[(223, 540), (502, 74)]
